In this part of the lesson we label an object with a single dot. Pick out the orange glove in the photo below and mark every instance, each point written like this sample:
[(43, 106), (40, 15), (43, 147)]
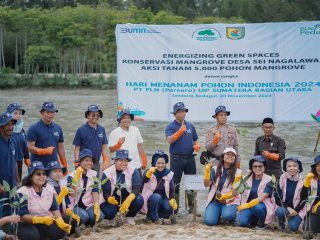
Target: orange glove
[(196, 147), (64, 164), (144, 161), (27, 162), (105, 162), (179, 133), (118, 144), (216, 138), (238, 164), (45, 151), (272, 156)]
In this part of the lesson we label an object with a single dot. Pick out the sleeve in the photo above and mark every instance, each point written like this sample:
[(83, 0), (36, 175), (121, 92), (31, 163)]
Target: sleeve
[(105, 140), (303, 196), (23, 210), (169, 131), (112, 138), (106, 188), (69, 180), (77, 138), (209, 137), (61, 138), (256, 151), (212, 175), (139, 137), (144, 178), (171, 188), (31, 134), (195, 135), (236, 146), (54, 205), (282, 149), (136, 182), (268, 189)]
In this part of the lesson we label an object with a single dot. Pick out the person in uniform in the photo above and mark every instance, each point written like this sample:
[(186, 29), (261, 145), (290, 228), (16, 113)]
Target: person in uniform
[(45, 138), (183, 140), (222, 135), (92, 136)]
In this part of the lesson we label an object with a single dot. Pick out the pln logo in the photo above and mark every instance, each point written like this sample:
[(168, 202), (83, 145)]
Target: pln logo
[(316, 116), (310, 31), (235, 33), (206, 35)]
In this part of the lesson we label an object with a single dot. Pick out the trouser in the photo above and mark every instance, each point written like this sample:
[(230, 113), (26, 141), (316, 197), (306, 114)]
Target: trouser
[(252, 215), (180, 164), (216, 210), (313, 222), (110, 211), (28, 231), (87, 216), (19, 163), (74, 224), (96, 167), (158, 207), (293, 222)]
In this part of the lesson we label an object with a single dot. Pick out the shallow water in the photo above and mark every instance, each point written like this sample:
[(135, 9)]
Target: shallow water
[(300, 137)]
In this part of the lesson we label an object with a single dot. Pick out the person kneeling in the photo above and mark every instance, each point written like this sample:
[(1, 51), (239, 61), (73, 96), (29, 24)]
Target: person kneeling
[(222, 198), (122, 188), (40, 213), (288, 196), (158, 189), (55, 174), (257, 206), (86, 201)]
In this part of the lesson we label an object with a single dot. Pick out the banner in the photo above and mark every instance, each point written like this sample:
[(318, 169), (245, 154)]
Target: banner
[(255, 70)]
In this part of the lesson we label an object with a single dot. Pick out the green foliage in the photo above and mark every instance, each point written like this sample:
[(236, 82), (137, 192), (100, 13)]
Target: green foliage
[(77, 37)]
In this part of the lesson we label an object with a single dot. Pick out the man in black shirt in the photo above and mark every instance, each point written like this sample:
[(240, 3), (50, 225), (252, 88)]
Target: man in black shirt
[(271, 147)]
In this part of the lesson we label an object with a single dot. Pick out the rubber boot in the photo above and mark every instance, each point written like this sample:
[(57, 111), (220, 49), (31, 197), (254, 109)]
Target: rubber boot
[(190, 197), (177, 197)]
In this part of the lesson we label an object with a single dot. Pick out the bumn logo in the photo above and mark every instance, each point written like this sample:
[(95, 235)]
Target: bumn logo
[(235, 33)]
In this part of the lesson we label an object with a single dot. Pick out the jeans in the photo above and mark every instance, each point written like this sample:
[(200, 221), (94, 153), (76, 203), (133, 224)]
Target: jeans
[(87, 216), (28, 231), (2, 235), (110, 211), (257, 213), (158, 207), (180, 165), (293, 222), (215, 210)]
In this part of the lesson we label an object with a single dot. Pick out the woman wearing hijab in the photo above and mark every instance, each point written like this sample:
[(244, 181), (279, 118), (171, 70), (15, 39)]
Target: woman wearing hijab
[(158, 189), (288, 195)]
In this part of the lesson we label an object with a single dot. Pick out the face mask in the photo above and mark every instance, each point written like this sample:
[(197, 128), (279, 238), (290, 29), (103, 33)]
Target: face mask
[(18, 126)]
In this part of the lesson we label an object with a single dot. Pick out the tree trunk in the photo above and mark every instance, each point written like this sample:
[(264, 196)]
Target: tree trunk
[(16, 62)]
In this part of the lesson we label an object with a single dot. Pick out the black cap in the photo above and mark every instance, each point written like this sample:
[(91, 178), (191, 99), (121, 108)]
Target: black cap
[(267, 120)]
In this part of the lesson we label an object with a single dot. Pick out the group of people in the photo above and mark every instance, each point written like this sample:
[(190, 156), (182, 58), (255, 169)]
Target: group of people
[(55, 202)]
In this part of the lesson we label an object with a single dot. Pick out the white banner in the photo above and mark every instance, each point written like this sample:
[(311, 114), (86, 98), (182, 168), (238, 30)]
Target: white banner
[(255, 70)]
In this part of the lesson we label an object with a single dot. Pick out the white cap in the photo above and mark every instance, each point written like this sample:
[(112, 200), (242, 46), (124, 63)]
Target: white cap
[(230, 149)]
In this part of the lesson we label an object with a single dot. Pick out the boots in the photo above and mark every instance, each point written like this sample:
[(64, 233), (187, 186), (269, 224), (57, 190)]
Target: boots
[(190, 197)]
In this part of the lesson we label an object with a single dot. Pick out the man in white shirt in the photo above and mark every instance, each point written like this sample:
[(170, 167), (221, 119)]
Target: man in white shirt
[(129, 138)]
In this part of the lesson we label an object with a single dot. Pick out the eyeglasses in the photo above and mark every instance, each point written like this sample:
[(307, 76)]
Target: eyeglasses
[(257, 166), (40, 174)]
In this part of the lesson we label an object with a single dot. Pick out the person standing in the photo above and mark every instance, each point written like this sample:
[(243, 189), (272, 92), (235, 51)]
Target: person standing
[(8, 158), (19, 136), (222, 135), (183, 140), (271, 147), (92, 136), (45, 138), (129, 138)]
